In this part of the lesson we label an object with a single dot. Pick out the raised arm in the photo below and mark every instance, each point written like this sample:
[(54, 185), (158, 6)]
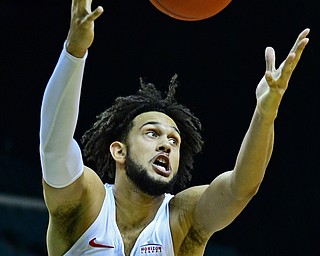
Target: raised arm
[(255, 151), (230, 192), (65, 179)]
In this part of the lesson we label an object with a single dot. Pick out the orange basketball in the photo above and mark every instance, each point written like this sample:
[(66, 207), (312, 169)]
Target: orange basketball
[(190, 10)]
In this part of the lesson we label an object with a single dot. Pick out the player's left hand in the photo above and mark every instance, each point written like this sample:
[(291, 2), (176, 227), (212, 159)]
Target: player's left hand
[(273, 85)]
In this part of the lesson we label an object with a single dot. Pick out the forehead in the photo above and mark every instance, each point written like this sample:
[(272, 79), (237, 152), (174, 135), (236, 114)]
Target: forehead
[(153, 117)]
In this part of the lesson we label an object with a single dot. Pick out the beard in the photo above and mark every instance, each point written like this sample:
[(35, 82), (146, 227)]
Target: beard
[(146, 183)]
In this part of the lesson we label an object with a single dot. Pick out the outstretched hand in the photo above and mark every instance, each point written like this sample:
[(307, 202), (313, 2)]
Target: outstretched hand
[(273, 85), (81, 32)]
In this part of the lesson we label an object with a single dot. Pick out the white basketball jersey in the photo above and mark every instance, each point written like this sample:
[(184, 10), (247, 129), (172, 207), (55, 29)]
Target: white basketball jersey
[(103, 237)]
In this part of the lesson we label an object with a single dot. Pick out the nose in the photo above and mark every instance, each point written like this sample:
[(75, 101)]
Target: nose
[(164, 147)]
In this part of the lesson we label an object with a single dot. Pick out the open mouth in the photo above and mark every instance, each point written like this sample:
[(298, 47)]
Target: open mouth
[(161, 165)]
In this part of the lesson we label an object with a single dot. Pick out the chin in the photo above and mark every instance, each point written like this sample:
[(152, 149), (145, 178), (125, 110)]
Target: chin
[(150, 183)]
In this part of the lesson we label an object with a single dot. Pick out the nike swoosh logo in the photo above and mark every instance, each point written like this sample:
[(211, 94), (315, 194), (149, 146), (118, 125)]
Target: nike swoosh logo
[(94, 244)]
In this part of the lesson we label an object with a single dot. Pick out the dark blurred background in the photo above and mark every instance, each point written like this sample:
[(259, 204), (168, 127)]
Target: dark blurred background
[(219, 60)]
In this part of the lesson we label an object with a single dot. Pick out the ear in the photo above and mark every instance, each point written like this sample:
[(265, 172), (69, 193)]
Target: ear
[(118, 152)]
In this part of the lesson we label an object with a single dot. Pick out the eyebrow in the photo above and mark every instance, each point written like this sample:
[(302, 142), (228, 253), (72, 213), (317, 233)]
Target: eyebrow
[(157, 123)]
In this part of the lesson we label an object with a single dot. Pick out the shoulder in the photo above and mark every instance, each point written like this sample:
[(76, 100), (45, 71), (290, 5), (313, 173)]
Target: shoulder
[(186, 199), (182, 207), (73, 209)]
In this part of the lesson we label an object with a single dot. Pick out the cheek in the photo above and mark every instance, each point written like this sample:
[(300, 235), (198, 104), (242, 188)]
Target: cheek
[(140, 149), (176, 160)]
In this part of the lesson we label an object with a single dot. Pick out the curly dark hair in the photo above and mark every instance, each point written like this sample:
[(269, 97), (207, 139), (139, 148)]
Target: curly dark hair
[(116, 122)]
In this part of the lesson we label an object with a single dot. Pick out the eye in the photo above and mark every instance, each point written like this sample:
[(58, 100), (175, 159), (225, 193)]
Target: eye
[(151, 134), (173, 141)]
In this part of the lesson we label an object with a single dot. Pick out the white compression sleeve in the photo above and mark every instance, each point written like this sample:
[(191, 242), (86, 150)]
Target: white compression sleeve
[(61, 158)]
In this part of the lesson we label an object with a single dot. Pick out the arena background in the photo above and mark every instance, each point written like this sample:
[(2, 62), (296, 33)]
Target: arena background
[(219, 61)]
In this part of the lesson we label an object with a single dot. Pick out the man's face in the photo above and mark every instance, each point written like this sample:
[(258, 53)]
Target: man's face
[(153, 152)]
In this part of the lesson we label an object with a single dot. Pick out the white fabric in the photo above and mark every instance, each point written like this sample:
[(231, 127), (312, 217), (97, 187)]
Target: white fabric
[(154, 240), (60, 154)]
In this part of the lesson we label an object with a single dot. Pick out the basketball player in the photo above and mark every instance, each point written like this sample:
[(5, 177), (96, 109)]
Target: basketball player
[(143, 147)]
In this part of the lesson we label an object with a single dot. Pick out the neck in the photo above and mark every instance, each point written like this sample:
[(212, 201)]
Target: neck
[(134, 207)]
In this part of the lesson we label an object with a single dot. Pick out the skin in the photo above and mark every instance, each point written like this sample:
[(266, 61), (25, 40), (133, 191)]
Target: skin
[(195, 213), (151, 128)]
